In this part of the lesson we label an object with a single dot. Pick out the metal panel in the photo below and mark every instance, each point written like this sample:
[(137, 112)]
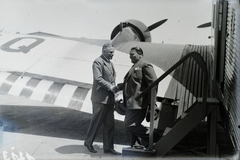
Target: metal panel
[(231, 86), (190, 77)]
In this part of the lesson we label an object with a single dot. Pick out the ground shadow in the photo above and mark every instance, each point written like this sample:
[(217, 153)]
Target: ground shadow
[(54, 122), (66, 123), (80, 149)]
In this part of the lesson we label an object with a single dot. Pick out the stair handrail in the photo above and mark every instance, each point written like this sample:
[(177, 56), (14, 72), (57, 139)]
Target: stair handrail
[(197, 57), (201, 63)]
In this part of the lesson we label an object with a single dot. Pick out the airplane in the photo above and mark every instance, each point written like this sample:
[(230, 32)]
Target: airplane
[(34, 66), (53, 57), (57, 70)]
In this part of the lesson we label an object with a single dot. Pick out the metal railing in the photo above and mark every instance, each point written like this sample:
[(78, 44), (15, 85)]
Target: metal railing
[(199, 60)]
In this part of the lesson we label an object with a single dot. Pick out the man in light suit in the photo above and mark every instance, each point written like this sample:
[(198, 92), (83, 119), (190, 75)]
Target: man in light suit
[(103, 100), (138, 78)]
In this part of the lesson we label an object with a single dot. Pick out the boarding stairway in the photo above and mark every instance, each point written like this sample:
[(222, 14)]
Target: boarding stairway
[(201, 109), (188, 121)]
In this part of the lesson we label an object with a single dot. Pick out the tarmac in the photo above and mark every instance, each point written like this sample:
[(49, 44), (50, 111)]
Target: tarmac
[(45, 132)]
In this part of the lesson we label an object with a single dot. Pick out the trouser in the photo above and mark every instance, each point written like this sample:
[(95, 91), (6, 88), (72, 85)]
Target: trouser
[(133, 122), (102, 114)]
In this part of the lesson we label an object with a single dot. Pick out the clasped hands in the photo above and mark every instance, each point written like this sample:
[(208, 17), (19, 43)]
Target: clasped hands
[(114, 89)]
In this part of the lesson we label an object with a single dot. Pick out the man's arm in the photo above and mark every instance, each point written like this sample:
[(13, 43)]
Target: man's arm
[(149, 74), (98, 77)]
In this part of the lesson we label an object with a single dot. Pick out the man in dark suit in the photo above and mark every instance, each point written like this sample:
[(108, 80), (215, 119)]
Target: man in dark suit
[(138, 78), (103, 100)]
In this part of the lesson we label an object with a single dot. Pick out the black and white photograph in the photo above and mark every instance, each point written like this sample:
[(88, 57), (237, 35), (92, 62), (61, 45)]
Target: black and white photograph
[(110, 79)]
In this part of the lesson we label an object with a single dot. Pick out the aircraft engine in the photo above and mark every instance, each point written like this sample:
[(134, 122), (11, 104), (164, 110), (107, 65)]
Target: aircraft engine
[(138, 28)]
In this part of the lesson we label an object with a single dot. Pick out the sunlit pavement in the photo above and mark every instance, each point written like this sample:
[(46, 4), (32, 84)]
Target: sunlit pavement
[(41, 131), (42, 147), (46, 148)]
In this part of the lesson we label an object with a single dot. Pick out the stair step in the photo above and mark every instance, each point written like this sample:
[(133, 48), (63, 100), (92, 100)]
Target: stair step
[(181, 127), (184, 114), (131, 151), (168, 129), (166, 100), (209, 100)]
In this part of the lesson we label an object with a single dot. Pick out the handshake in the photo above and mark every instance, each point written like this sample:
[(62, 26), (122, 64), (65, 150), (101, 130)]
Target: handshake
[(114, 89)]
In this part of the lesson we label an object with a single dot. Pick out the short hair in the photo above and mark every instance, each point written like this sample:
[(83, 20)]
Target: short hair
[(138, 50), (106, 45)]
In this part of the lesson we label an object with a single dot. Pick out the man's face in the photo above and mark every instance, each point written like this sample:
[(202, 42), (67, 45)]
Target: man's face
[(134, 56), (109, 52)]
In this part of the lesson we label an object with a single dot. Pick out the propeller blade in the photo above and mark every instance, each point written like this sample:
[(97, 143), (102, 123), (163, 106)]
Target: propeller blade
[(155, 25), (208, 24)]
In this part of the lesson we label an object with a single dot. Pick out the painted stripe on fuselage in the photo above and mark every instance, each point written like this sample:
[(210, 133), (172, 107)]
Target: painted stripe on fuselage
[(29, 88), (41, 90), (65, 95), (18, 86), (78, 98), (3, 76), (7, 84), (52, 93)]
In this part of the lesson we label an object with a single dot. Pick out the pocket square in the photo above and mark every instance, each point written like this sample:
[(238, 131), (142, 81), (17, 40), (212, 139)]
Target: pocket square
[(137, 68)]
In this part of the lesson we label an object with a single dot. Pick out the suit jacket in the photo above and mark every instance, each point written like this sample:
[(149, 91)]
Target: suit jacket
[(104, 76), (138, 78)]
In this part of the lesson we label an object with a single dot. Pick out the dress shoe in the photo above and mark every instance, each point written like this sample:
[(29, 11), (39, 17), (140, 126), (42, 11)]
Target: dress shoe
[(135, 141), (90, 148), (111, 151), (138, 146)]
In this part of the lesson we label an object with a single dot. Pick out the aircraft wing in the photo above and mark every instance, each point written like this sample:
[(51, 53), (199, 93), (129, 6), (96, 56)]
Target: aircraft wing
[(51, 70), (58, 70)]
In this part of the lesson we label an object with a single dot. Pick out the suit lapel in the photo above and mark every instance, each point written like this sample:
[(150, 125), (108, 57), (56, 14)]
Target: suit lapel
[(113, 68), (132, 69), (109, 66)]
